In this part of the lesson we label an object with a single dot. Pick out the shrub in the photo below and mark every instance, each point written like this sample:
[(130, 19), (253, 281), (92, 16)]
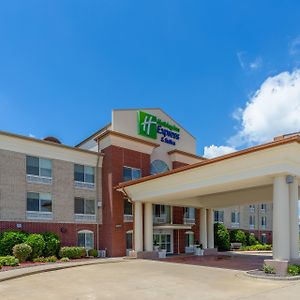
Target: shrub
[(64, 259), (9, 239), (72, 252), (9, 261), (93, 252), (251, 240), (22, 251), (37, 243), (257, 247), (52, 244), (294, 270), (222, 239), (269, 269), (238, 236), (42, 259)]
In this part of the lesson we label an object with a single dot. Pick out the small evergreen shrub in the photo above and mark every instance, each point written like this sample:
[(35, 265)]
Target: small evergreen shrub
[(294, 270), (222, 239), (238, 236), (72, 252), (9, 260), (257, 247), (93, 252), (64, 259), (42, 259), (37, 243), (52, 245), (22, 252), (251, 240), (269, 269), (9, 239)]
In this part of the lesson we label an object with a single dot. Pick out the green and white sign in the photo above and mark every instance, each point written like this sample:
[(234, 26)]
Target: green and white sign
[(150, 126)]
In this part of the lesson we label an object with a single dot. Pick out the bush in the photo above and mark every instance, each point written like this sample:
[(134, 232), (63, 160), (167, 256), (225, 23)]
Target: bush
[(9, 239), (37, 243), (251, 240), (22, 252), (222, 239), (257, 247), (64, 259), (49, 259), (9, 260), (93, 252), (238, 236), (52, 244), (72, 252), (269, 269), (294, 270)]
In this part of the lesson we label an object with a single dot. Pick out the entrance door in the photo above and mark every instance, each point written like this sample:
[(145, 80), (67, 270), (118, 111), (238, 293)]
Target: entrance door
[(164, 240)]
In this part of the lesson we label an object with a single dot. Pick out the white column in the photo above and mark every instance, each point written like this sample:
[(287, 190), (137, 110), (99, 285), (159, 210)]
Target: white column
[(138, 226), (294, 225), (281, 224), (210, 228), (148, 227), (203, 228)]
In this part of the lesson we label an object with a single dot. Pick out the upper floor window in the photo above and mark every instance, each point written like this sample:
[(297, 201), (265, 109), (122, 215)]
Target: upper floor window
[(263, 222), (161, 214), (39, 202), (84, 206), (84, 174), (251, 221), (131, 173), (158, 166), (189, 214), (219, 216), (38, 166), (128, 215), (263, 207), (252, 208), (235, 218)]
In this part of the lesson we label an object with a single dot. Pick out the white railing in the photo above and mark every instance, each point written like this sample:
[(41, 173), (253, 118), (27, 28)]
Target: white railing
[(84, 185), (235, 225), (85, 217), (39, 215), (188, 221), (128, 218), (160, 220), (38, 179), (251, 226)]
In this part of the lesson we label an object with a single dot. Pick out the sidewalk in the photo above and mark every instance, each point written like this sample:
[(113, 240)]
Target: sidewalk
[(16, 273)]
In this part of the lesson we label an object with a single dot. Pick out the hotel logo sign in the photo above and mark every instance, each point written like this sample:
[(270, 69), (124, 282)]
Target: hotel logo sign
[(150, 126)]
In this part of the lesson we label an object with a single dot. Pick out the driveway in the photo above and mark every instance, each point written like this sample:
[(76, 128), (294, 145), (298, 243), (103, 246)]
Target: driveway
[(144, 279)]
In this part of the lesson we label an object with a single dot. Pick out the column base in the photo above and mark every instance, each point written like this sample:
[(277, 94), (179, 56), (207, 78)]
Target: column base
[(210, 251), (147, 255), (280, 266)]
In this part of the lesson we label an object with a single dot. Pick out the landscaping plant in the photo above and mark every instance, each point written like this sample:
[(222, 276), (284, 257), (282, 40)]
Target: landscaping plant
[(9, 239), (222, 239), (52, 245), (9, 260), (37, 243), (22, 252), (93, 252), (72, 252), (294, 270)]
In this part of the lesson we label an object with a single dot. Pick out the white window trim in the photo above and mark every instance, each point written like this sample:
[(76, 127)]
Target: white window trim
[(139, 169), (84, 183), (84, 214), (31, 177), (39, 211)]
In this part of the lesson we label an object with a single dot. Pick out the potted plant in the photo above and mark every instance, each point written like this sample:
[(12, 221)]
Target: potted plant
[(162, 253), (155, 246), (199, 250)]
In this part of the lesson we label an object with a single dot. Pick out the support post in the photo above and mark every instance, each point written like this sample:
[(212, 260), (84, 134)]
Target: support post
[(281, 214), (138, 226), (210, 228), (294, 225), (203, 227), (148, 229)]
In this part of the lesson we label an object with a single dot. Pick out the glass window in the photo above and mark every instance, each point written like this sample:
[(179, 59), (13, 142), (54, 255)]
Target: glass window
[(235, 217), (84, 206), (219, 216), (89, 174), (189, 239), (189, 213), (38, 166), (79, 173), (85, 239), (39, 202), (263, 221), (84, 173), (158, 166), (251, 220), (131, 173), (127, 207), (263, 207), (129, 240)]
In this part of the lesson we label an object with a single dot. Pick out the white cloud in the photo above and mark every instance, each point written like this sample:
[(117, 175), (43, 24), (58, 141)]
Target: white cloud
[(256, 63), (295, 46), (214, 151), (31, 135), (274, 109), (249, 64)]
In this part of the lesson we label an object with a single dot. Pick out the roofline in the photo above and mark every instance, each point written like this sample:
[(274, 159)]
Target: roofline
[(186, 154), (23, 137), (128, 137), (93, 135), (157, 108), (246, 151)]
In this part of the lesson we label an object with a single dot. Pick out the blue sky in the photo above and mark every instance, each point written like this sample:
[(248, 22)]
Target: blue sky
[(64, 65)]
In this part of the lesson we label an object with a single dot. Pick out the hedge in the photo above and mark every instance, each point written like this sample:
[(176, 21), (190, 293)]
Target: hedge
[(37, 243), (52, 244), (9, 260), (221, 234), (9, 239), (72, 252), (22, 252)]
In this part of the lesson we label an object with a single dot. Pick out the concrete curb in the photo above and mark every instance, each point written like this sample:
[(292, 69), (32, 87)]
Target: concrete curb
[(269, 277), (22, 272)]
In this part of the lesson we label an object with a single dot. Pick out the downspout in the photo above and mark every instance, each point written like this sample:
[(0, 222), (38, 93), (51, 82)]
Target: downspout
[(97, 197)]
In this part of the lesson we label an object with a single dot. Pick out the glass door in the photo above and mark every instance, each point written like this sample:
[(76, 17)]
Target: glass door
[(164, 241)]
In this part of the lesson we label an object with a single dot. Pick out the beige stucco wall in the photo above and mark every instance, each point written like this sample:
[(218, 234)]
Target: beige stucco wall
[(14, 188)]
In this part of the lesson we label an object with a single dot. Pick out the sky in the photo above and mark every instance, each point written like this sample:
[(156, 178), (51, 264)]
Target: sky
[(227, 71)]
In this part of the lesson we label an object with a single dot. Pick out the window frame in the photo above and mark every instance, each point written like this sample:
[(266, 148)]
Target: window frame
[(40, 159), (132, 170), (84, 206), (86, 232), (85, 174), (40, 200)]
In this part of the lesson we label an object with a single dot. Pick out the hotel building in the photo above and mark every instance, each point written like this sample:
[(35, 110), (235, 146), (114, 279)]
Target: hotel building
[(48, 186)]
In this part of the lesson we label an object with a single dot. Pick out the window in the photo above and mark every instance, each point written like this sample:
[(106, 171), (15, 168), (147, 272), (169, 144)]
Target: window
[(219, 216), (252, 208), (127, 207), (264, 238), (84, 173), (251, 222), (235, 219), (189, 215), (263, 222), (38, 166), (39, 202), (85, 238), (84, 206), (161, 213), (158, 166), (189, 239), (263, 208), (131, 173), (129, 240)]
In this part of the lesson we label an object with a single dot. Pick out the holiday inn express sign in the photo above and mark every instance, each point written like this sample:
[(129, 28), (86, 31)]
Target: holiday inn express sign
[(150, 126)]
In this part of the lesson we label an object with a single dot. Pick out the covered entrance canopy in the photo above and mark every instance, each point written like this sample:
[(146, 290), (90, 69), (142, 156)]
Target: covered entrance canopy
[(264, 173)]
